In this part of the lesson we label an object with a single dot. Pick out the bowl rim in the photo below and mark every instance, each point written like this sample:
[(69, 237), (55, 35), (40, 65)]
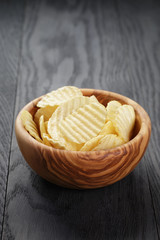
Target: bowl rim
[(145, 125)]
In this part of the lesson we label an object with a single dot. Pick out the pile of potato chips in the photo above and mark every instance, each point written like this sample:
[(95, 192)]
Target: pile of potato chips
[(68, 120)]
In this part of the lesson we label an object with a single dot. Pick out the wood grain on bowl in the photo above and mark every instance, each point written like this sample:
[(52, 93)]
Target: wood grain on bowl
[(83, 170)]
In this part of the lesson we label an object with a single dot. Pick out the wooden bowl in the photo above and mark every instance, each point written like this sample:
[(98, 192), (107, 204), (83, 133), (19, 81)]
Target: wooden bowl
[(84, 170)]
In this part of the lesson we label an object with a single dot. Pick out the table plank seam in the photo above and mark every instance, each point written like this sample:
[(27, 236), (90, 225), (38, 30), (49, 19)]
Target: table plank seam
[(149, 184), (152, 202), (63, 42), (12, 131)]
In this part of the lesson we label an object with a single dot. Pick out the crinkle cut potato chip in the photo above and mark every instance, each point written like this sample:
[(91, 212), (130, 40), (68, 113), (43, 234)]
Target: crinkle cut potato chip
[(46, 112), (109, 141), (29, 125), (71, 146), (55, 98), (49, 141), (45, 136), (68, 120), (84, 123), (108, 128), (42, 126), (112, 107), (46, 126), (92, 143), (63, 111), (56, 144), (124, 121)]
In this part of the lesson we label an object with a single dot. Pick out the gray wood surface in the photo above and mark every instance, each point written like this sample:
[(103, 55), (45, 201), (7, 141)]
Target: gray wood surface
[(111, 45), (10, 40), (141, 24)]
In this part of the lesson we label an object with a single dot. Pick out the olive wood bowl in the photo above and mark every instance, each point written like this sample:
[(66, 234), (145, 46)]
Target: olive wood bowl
[(92, 169)]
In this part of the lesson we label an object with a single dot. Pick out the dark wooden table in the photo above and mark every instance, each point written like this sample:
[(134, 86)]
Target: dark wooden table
[(111, 45)]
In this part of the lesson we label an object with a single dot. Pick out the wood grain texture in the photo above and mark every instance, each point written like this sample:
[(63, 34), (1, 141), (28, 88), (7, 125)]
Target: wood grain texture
[(11, 15), (141, 23), (80, 43), (85, 170)]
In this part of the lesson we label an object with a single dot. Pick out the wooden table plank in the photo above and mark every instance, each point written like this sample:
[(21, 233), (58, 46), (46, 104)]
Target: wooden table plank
[(11, 15), (140, 25), (74, 43)]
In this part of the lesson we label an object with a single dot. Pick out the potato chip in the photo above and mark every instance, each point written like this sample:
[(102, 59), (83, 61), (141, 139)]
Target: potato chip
[(68, 120), (112, 107), (29, 124), (84, 123), (65, 145), (71, 146), (108, 128), (55, 98), (47, 139), (92, 143), (64, 110), (109, 141), (124, 121), (46, 126), (42, 127), (46, 112), (50, 142)]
